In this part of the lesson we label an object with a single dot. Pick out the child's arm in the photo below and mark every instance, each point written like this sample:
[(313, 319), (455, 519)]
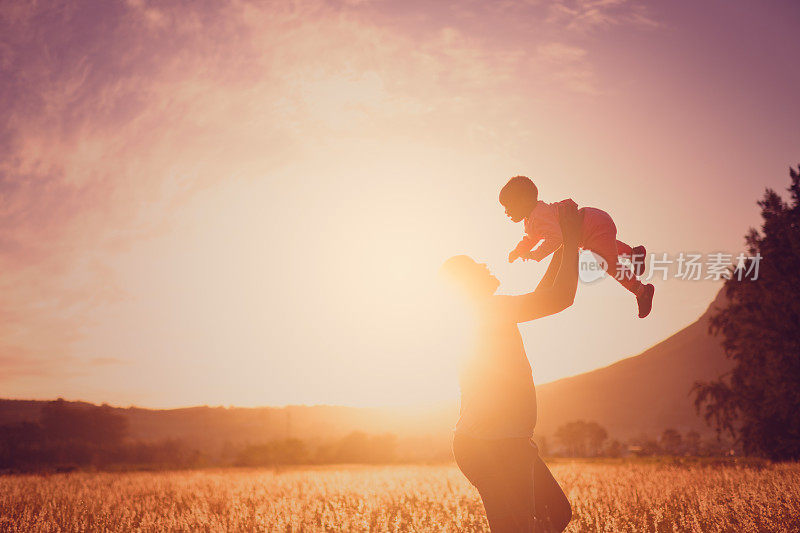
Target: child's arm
[(546, 248), (550, 231), (548, 300), (522, 249)]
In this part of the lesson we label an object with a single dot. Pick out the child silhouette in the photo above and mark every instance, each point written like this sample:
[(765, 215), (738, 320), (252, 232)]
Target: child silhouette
[(520, 197)]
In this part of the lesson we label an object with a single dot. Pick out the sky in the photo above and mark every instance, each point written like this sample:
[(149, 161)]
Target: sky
[(247, 203)]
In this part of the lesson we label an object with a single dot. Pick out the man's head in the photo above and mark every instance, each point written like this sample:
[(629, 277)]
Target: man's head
[(519, 197), (473, 279)]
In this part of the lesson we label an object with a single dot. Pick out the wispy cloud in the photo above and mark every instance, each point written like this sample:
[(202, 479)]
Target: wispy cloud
[(584, 16), (25, 365), (114, 114), (566, 66)]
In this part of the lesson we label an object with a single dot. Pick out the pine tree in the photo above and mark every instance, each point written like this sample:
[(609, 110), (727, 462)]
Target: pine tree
[(758, 401)]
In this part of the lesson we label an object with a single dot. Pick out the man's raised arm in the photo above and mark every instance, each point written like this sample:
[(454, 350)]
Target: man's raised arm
[(548, 298), (552, 269)]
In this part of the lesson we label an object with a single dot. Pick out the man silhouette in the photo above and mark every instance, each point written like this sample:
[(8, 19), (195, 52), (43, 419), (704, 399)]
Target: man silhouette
[(492, 443)]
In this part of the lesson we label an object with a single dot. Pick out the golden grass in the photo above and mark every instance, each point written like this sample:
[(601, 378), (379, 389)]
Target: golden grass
[(605, 496)]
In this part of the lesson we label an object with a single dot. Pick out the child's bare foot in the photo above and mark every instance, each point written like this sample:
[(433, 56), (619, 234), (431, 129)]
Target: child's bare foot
[(645, 299), (637, 259)]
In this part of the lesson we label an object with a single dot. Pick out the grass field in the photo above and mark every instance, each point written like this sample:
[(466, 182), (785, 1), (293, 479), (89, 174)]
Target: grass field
[(621, 496)]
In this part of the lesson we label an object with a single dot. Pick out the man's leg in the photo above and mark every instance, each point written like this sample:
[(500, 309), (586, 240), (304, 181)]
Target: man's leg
[(502, 471), (516, 459), (552, 508), (508, 504), (531, 498)]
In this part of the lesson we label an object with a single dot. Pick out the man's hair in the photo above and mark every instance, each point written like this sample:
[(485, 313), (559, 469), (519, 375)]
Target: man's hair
[(457, 267), (518, 186)]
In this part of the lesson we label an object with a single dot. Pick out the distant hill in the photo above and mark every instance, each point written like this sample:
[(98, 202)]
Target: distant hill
[(422, 434), (642, 394)]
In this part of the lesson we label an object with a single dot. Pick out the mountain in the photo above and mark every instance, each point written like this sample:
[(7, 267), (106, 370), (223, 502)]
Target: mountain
[(644, 394), (423, 434)]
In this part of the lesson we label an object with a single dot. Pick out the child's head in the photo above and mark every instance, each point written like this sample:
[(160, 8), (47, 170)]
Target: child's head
[(519, 197)]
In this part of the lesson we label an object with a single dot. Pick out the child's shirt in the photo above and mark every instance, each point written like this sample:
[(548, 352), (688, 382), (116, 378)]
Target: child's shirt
[(541, 224)]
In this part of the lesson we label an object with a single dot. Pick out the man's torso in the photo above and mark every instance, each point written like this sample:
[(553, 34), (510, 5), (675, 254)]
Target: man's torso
[(498, 398)]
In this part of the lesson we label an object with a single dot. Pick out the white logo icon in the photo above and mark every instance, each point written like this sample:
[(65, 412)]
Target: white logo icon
[(591, 267)]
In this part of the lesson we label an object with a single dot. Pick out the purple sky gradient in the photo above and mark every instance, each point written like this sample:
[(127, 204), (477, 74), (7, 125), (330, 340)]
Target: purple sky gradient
[(247, 203)]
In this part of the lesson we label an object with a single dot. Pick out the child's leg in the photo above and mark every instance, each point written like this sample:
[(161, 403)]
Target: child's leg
[(625, 276), (635, 255), (624, 250), (605, 245)]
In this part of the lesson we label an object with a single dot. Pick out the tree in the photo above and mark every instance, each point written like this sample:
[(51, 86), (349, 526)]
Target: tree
[(692, 443), (279, 452), (614, 449), (758, 401), (671, 441), (20, 444), (596, 435), (645, 445), (65, 422), (581, 438), (569, 437), (358, 447)]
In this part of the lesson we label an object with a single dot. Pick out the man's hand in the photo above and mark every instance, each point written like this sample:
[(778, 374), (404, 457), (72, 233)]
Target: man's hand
[(557, 290), (570, 221)]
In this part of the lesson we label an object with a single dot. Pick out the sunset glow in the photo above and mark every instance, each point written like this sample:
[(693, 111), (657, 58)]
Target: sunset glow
[(248, 204)]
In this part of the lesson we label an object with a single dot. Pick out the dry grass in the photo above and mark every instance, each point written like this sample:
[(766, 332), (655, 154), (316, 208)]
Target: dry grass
[(605, 497)]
